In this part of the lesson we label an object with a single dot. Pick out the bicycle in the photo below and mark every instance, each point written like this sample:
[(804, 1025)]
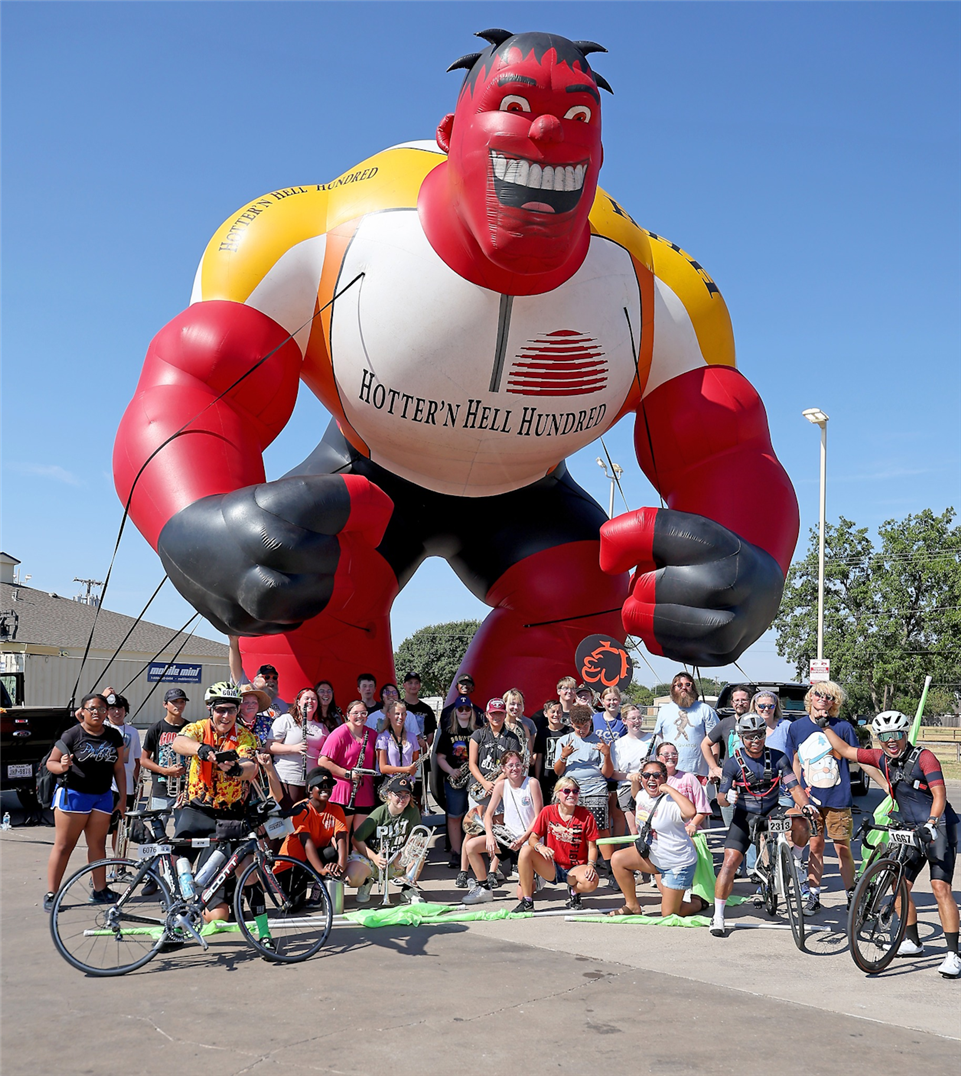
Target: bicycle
[(154, 912), (877, 919), (777, 869)]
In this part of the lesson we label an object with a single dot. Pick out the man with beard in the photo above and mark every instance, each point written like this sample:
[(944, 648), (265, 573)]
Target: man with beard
[(684, 722)]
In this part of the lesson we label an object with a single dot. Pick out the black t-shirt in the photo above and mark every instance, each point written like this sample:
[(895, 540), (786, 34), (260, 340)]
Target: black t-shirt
[(94, 758), (721, 734), (454, 748), (491, 748), (546, 744), (430, 718), (479, 715), (157, 743)]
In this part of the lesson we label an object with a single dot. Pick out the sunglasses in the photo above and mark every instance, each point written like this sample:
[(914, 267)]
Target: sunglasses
[(890, 737), (828, 698), (653, 776), (568, 792), (765, 706), (225, 711), (751, 736)]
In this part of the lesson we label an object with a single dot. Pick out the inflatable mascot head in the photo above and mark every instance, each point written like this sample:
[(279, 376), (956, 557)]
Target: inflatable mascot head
[(524, 147)]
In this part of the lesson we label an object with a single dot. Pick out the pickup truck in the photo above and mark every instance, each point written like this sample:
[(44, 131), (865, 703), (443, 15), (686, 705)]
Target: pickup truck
[(26, 734)]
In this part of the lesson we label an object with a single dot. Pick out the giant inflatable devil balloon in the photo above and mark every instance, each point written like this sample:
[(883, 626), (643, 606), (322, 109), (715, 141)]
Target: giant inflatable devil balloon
[(470, 312)]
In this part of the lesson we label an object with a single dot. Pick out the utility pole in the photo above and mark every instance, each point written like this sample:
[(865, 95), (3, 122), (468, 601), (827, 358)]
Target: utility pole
[(88, 598)]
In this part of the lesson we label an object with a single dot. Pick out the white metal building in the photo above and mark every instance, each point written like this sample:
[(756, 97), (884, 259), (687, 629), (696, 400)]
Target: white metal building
[(43, 635)]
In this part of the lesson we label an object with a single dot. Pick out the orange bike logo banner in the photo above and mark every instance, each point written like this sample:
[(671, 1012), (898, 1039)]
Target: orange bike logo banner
[(603, 662)]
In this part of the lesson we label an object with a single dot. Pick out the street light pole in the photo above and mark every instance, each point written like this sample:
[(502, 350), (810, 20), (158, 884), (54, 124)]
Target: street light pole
[(816, 416), (617, 471)]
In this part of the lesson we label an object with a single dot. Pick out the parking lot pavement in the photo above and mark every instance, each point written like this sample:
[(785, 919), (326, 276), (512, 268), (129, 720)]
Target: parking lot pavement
[(540, 995)]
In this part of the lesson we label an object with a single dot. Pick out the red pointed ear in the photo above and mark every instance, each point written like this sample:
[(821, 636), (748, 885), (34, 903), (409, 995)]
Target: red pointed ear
[(444, 129)]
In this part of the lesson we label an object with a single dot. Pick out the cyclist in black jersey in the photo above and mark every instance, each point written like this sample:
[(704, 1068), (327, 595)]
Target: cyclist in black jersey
[(916, 784), (751, 779)]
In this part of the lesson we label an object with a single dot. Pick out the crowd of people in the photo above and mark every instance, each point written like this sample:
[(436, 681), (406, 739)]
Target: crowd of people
[(531, 796)]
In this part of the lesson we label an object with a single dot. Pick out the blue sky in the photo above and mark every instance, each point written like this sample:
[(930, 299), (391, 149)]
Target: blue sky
[(806, 154)]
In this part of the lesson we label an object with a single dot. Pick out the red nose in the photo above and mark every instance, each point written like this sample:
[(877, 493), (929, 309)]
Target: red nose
[(547, 129)]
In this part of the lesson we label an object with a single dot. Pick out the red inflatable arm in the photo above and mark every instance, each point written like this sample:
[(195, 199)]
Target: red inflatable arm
[(703, 441), (189, 363)]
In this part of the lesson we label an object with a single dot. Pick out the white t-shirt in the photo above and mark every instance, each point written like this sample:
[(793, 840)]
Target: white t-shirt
[(131, 752), (629, 755), (290, 768), (411, 725), (671, 847)]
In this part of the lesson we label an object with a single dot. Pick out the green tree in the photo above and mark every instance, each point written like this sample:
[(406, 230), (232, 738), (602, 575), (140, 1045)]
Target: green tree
[(436, 653), (892, 610)]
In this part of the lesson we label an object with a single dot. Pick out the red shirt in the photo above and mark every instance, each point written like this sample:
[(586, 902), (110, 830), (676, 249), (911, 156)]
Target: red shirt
[(567, 838)]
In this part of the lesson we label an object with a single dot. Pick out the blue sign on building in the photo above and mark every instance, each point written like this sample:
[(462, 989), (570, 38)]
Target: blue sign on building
[(175, 674)]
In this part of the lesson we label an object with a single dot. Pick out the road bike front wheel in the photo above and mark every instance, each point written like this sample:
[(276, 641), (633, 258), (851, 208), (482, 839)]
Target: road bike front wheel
[(298, 914), (110, 938), (878, 920), (792, 895)]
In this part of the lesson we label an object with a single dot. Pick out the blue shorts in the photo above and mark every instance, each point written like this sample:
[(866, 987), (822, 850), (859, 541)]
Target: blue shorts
[(456, 800), (680, 877), (70, 801), (560, 875)]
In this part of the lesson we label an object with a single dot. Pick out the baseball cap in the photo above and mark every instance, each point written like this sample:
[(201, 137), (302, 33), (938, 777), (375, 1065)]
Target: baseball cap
[(463, 700), (119, 700), (267, 669), (497, 706), (175, 693), (411, 676), (399, 783)]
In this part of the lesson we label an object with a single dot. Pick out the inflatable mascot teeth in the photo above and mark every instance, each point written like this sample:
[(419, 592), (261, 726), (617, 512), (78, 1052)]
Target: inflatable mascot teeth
[(470, 311)]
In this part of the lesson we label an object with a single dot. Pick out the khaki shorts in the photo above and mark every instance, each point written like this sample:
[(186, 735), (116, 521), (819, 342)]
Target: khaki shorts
[(838, 823)]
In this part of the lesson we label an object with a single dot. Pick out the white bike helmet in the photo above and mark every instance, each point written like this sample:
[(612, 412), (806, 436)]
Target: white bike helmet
[(890, 721), (750, 723), (222, 692)]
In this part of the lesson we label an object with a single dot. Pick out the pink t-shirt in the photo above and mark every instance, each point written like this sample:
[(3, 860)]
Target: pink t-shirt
[(341, 748), (694, 790)]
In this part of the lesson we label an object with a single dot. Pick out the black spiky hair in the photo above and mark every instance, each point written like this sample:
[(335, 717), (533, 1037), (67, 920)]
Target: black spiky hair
[(501, 41)]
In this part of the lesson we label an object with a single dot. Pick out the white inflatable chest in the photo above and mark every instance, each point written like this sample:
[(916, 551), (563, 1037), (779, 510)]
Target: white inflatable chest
[(466, 391)]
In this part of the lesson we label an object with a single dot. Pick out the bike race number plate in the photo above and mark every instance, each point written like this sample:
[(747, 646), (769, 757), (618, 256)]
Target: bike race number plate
[(779, 825), (901, 836), (148, 851)]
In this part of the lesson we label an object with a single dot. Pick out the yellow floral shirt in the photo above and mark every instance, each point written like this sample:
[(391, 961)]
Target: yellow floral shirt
[(220, 792)]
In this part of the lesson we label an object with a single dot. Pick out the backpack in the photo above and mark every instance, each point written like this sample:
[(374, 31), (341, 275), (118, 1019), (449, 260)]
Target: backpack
[(47, 782)]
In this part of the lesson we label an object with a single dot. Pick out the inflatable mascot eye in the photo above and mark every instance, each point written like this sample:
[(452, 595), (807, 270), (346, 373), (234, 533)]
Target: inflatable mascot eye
[(578, 112), (514, 103)]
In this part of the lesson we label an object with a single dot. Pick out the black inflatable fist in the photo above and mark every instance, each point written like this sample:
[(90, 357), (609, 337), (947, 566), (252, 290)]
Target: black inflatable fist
[(262, 560), (701, 593)]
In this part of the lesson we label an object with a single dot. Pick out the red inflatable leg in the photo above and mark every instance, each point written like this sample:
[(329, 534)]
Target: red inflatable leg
[(516, 648), (336, 647)]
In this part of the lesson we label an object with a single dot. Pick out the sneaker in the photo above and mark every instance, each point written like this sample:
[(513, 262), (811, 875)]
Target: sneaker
[(461, 880), (525, 905), (410, 894), (812, 905), (718, 928), (453, 864), (849, 896), (539, 883), (150, 888), (908, 948), (269, 944), (495, 878), (479, 894), (103, 896), (574, 901), (611, 882), (48, 899), (950, 967), (363, 891)]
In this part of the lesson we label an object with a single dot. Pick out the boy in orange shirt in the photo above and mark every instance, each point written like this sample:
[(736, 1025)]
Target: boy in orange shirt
[(320, 828)]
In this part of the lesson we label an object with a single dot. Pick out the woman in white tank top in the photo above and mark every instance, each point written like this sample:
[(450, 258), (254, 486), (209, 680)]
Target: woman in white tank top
[(514, 806)]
